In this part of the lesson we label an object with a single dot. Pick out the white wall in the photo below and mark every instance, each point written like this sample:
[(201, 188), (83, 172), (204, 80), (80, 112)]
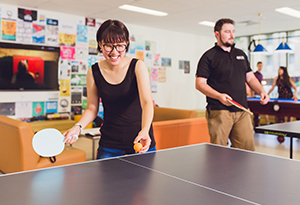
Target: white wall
[(179, 89)]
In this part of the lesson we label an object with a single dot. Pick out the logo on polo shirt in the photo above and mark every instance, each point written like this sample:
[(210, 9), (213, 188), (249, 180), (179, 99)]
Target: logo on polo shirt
[(240, 57)]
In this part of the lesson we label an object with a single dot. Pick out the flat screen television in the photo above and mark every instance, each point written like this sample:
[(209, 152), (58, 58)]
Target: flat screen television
[(28, 67)]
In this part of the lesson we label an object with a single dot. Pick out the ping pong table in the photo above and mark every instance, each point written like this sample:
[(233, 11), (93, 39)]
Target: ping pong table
[(197, 174), (287, 129)]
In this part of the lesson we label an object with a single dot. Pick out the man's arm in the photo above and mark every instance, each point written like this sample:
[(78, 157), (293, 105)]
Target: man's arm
[(202, 86), (255, 85)]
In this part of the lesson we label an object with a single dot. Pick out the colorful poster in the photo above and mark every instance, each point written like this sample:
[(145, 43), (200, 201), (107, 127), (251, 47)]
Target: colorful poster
[(154, 74), (139, 55), (81, 33), (186, 66), (67, 39), (92, 43), (67, 27), (78, 80), (90, 22), (24, 32), (52, 32), (93, 47), (38, 33), (132, 49), (64, 69), (38, 109), (64, 88), (157, 60), (24, 109), (84, 103), (149, 58), (162, 75), (140, 43), (9, 12), (51, 107), (181, 64), (81, 51), (147, 45), (76, 95), (42, 18), (166, 62), (64, 105), (67, 53), (153, 87), (7, 109), (27, 15), (76, 110), (79, 67), (92, 60), (74, 66), (9, 30)]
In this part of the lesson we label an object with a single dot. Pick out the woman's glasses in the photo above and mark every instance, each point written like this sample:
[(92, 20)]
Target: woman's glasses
[(110, 48)]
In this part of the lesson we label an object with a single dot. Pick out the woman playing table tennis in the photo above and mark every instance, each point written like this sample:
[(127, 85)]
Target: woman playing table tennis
[(124, 87)]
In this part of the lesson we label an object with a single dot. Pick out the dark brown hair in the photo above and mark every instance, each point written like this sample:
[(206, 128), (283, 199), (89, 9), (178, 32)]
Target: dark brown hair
[(112, 31), (221, 22), (285, 77)]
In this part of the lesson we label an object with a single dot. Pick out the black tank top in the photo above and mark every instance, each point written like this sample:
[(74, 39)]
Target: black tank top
[(122, 110)]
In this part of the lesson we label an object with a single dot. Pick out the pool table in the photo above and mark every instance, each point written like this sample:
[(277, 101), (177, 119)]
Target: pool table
[(278, 107)]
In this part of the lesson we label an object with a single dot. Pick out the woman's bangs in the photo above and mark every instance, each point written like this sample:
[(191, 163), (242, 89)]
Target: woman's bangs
[(113, 35)]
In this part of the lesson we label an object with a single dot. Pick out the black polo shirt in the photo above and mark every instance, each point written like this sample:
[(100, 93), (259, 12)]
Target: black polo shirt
[(226, 73)]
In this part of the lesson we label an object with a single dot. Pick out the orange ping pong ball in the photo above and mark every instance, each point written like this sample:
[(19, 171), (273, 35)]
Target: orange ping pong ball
[(137, 147)]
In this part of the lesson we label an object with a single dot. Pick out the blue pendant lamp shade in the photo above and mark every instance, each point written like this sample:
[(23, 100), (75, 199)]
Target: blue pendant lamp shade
[(283, 46), (259, 48)]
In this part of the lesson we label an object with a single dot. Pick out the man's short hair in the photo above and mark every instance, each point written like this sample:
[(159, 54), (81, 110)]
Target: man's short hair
[(221, 22), (259, 62)]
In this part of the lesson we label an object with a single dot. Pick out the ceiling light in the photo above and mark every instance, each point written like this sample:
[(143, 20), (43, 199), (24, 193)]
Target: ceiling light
[(207, 23), (283, 47), (259, 48), (142, 10), (289, 11)]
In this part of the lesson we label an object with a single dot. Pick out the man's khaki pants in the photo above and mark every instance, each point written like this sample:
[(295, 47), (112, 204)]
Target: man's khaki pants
[(236, 126)]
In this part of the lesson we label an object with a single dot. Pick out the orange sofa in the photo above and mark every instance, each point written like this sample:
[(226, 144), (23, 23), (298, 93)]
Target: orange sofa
[(17, 154), (177, 127)]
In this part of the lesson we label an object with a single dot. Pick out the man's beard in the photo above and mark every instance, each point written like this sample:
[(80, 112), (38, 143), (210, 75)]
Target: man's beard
[(226, 44)]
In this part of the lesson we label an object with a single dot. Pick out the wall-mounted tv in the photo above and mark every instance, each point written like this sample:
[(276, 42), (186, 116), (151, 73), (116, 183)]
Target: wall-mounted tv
[(28, 67)]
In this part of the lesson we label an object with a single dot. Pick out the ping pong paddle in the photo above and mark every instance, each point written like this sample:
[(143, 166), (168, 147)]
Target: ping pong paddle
[(48, 143), (234, 103)]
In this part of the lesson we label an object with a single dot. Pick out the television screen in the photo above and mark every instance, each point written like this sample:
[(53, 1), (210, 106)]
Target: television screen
[(28, 67)]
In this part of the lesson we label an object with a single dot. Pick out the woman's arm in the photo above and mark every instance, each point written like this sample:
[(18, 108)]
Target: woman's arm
[(91, 111), (295, 89), (145, 95), (273, 85)]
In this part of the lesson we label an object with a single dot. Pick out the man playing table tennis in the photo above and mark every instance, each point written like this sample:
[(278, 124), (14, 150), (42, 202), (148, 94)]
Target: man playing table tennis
[(221, 74)]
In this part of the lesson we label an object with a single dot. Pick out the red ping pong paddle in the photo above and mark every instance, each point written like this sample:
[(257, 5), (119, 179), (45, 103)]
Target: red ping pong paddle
[(234, 103)]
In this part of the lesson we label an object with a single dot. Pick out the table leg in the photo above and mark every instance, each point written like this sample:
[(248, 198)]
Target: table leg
[(291, 148), (280, 119), (256, 120)]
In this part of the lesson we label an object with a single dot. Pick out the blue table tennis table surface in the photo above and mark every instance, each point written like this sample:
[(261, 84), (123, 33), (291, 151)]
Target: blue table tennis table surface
[(197, 174)]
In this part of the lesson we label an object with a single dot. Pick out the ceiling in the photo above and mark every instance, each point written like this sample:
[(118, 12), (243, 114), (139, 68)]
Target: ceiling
[(184, 15)]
